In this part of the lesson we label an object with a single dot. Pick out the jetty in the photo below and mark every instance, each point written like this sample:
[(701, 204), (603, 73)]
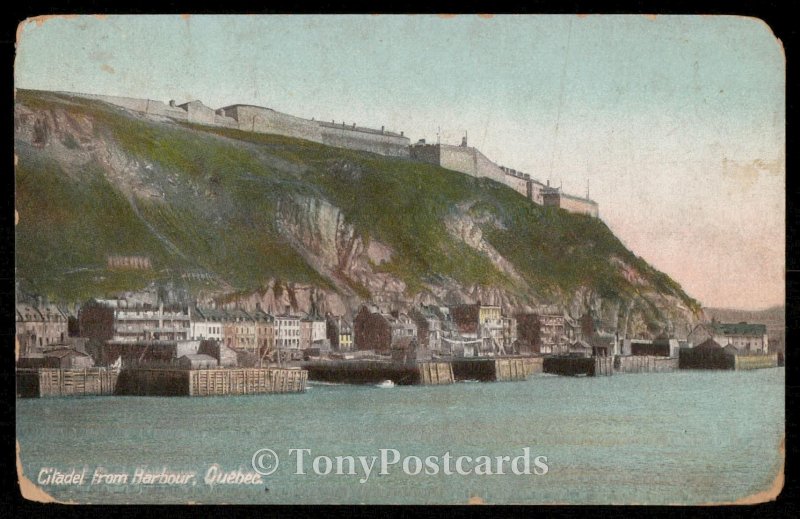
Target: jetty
[(496, 369), (433, 372), (158, 381), (578, 366), (210, 382), (719, 358), (369, 371), (46, 382)]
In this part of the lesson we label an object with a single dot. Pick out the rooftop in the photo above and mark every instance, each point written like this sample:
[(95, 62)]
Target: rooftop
[(742, 328)]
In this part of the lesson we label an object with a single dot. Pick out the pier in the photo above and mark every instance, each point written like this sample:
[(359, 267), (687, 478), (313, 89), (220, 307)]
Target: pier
[(720, 359), (49, 382), (579, 366), (210, 382), (645, 364), (376, 371), (488, 369), (437, 372)]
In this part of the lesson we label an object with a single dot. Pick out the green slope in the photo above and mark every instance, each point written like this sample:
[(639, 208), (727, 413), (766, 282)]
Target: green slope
[(222, 194)]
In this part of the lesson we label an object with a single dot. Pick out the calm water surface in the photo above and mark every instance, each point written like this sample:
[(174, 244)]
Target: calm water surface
[(685, 437)]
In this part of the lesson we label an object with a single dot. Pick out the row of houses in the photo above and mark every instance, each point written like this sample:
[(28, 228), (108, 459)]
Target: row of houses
[(466, 330), (121, 321)]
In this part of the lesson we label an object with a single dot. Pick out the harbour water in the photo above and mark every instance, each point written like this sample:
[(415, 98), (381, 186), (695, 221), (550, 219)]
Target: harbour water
[(666, 438)]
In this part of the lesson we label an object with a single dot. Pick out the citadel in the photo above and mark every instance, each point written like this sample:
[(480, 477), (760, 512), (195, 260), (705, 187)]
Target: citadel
[(462, 158)]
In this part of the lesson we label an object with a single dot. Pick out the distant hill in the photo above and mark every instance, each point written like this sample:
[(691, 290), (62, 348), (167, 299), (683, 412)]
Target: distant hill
[(112, 200), (774, 318)]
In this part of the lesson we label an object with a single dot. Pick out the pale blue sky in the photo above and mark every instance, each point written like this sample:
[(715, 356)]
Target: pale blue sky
[(676, 122)]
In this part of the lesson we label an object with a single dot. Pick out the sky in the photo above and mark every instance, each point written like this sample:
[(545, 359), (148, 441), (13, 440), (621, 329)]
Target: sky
[(675, 124)]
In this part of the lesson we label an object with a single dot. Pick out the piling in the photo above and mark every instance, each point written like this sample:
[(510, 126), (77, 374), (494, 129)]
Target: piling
[(376, 371), (54, 382), (645, 364), (210, 382), (494, 369), (579, 366)]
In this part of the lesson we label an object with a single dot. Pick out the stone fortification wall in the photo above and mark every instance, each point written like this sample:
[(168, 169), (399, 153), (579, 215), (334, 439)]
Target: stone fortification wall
[(428, 153), (376, 141), (198, 113), (458, 158), (573, 204), (147, 106), (518, 184), (264, 120), (487, 168), (537, 190)]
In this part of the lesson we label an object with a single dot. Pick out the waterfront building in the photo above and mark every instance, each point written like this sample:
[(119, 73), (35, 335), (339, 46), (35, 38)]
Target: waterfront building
[(196, 361), (377, 331), (429, 327), (240, 330), (264, 330), (207, 323), (225, 357), (40, 326), (67, 358), (287, 332), (340, 333), (313, 331), (486, 323), (745, 337), (116, 319)]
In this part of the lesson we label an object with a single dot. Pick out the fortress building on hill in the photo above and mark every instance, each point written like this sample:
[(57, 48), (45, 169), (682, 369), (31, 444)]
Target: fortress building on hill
[(259, 119), (463, 158), (469, 160), (553, 197)]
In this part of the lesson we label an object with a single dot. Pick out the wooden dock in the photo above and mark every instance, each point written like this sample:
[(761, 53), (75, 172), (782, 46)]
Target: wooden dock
[(743, 362), (376, 371), (495, 369), (210, 382), (48, 382), (579, 366), (435, 373), (691, 358), (645, 364)]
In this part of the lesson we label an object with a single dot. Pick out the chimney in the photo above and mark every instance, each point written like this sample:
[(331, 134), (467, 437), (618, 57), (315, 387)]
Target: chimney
[(401, 134), (172, 103), (382, 129)]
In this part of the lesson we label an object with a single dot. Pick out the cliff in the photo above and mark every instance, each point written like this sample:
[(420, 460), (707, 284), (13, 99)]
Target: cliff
[(286, 222)]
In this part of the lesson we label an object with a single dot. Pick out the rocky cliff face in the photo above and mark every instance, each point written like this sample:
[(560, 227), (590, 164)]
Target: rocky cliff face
[(301, 221)]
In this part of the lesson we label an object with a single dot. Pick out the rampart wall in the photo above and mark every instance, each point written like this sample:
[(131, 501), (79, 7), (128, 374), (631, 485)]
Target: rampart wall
[(572, 204), (383, 143), (264, 120)]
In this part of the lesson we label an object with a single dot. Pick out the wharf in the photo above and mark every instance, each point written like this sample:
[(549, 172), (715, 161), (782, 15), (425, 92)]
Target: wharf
[(579, 366), (495, 369), (376, 371), (47, 382), (53, 382), (210, 382)]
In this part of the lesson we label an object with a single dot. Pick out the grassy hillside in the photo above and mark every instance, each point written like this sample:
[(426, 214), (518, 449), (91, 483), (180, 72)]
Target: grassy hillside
[(221, 189)]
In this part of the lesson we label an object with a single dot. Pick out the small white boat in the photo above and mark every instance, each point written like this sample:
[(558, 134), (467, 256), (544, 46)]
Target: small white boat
[(385, 383)]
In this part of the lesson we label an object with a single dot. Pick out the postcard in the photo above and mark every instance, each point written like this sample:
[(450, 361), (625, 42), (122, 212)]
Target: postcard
[(407, 259)]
